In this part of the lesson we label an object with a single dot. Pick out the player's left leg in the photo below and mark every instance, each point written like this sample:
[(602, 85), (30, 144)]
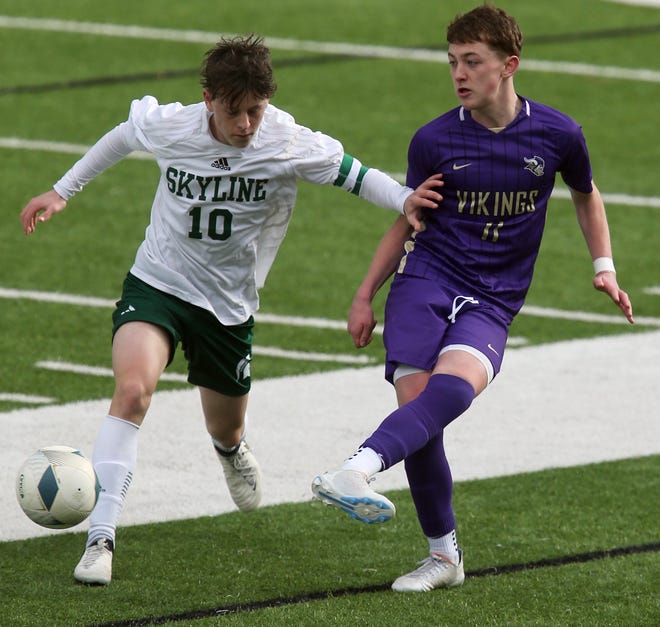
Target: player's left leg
[(431, 486), (225, 422), (219, 358)]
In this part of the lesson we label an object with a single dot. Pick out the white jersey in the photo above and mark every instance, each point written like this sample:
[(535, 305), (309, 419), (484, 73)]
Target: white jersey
[(220, 212)]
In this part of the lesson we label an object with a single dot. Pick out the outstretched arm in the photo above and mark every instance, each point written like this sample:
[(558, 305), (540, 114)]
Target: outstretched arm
[(593, 222), (361, 320), (381, 189), (112, 147)]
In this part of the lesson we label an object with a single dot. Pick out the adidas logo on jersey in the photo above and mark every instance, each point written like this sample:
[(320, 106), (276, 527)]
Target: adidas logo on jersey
[(221, 163)]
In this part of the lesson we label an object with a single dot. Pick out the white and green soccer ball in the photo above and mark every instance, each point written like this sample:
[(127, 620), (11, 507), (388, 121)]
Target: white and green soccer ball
[(57, 487)]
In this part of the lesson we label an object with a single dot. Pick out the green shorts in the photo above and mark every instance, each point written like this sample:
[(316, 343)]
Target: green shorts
[(218, 356)]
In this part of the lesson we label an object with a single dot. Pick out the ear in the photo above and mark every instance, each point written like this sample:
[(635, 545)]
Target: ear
[(511, 65), (208, 100)]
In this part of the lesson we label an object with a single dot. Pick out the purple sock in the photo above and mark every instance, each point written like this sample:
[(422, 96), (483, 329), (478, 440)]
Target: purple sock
[(413, 425), (431, 487)]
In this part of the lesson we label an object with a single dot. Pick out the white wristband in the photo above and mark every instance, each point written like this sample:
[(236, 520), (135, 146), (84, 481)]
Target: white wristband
[(603, 264)]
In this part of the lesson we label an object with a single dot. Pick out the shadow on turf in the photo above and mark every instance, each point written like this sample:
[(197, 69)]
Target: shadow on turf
[(342, 592)]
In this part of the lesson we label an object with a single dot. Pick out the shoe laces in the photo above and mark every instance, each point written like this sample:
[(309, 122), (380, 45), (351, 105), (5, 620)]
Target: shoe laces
[(432, 563), (94, 551), (242, 464)]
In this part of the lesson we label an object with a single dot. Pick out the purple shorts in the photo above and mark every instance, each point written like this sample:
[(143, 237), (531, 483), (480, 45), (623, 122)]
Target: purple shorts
[(422, 318)]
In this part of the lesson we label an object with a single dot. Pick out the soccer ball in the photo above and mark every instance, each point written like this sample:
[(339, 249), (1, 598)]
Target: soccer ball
[(57, 487)]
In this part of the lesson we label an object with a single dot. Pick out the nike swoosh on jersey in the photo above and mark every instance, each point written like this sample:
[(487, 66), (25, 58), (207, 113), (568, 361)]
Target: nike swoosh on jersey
[(457, 166)]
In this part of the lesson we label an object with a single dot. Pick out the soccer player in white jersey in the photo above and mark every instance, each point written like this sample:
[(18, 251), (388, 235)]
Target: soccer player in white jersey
[(459, 283), (229, 170)]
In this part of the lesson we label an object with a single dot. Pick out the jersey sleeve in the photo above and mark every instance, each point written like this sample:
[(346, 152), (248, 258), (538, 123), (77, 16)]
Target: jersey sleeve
[(418, 161), (111, 148), (156, 126), (371, 184), (315, 157), (114, 145), (575, 168)]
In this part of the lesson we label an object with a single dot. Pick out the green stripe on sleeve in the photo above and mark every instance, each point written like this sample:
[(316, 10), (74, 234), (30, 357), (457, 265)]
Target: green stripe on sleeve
[(358, 182), (344, 170)]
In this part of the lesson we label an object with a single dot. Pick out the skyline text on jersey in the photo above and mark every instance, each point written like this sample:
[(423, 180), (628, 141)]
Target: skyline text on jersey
[(215, 188)]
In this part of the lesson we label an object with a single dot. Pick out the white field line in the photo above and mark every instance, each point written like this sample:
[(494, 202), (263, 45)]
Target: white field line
[(584, 316), (655, 4), (28, 399), (92, 301), (97, 371), (563, 193), (16, 143), (323, 323), (267, 351), (652, 291), (615, 199), (277, 43), (271, 351)]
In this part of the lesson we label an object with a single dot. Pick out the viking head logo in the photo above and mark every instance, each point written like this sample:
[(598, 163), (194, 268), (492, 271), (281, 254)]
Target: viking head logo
[(535, 165)]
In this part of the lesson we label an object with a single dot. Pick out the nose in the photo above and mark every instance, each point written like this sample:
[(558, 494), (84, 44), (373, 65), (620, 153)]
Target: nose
[(243, 121), (458, 72)]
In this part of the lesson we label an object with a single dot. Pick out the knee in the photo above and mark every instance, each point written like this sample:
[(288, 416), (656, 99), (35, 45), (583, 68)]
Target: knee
[(452, 393), (131, 400)]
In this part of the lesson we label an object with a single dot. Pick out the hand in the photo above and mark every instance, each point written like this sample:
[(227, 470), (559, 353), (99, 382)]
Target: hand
[(40, 209), (606, 282), (361, 322), (424, 197)]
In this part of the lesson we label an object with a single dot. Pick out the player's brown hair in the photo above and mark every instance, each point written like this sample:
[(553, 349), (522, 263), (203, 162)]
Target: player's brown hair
[(237, 67), (490, 25)]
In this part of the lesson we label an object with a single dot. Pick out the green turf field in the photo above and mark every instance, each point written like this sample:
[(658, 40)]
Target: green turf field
[(565, 547), (63, 87)]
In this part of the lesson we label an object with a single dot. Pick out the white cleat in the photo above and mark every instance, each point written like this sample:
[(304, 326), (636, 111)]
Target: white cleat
[(95, 566), (349, 491), (436, 571), (243, 477)]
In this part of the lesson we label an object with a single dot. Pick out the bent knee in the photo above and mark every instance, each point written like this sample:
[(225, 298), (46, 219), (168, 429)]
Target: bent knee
[(131, 400)]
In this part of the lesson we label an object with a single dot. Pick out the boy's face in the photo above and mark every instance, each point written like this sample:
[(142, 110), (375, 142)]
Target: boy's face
[(477, 72), (235, 127)]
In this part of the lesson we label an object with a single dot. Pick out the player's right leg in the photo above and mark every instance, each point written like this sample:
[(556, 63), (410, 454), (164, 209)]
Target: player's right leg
[(225, 423), (140, 353), (348, 488)]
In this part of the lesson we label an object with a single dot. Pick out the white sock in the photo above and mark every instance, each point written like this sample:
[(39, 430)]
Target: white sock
[(445, 545), (365, 460), (231, 449), (226, 451), (114, 459)]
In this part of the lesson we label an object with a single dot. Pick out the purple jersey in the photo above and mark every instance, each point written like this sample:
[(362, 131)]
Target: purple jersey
[(486, 233)]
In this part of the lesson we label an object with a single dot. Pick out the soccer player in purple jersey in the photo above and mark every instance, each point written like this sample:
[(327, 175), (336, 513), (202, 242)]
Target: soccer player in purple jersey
[(463, 278)]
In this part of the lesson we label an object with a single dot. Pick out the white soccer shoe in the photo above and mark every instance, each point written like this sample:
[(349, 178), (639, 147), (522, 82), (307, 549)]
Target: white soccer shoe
[(436, 571), (95, 566), (243, 477), (349, 491)]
